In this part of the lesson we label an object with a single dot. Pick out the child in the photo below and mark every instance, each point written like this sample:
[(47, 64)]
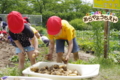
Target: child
[(11, 41), (33, 29), (3, 35), (45, 40), (62, 32), (3, 25), (21, 33)]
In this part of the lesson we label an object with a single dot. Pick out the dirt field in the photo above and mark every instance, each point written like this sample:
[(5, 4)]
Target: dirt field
[(7, 51)]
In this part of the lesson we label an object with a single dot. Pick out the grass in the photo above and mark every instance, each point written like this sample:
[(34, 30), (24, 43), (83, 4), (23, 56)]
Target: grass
[(108, 69), (108, 73)]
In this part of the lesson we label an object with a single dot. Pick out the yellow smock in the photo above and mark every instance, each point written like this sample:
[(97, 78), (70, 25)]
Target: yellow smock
[(67, 32)]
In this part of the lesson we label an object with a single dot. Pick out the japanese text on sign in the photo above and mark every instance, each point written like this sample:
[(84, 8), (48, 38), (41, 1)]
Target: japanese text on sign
[(98, 16), (107, 4)]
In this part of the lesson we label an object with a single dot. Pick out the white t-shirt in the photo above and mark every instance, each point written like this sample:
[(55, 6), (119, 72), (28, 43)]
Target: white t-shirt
[(44, 38), (1, 26)]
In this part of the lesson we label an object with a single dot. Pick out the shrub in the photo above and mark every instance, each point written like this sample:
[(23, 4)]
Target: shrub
[(78, 24)]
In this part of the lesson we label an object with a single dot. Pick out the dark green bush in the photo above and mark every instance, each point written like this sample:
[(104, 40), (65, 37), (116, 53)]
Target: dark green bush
[(78, 24)]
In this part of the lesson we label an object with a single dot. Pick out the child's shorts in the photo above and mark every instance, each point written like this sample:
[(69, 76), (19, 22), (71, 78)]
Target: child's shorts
[(27, 49), (60, 44)]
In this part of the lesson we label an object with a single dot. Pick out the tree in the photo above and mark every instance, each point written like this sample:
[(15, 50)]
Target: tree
[(22, 6)]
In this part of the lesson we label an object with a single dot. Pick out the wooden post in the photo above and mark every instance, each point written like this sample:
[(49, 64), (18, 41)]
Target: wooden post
[(106, 38)]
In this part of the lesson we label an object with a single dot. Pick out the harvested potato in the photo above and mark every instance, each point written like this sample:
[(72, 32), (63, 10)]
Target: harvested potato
[(53, 73), (60, 70), (58, 73), (56, 66), (35, 69), (69, 71), (56, 70), (63, 66), (46, 67), (75, 72), (64, 60), (33, 55)]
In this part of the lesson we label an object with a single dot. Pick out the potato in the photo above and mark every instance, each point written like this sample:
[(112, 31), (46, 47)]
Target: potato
[(64, 60), (58, 70), (51, 68), (75, 72), (69, 71), (42, 69), (64, 67), (33, 55), (53, 73), (35, 69), (56, 66), (58, 73)]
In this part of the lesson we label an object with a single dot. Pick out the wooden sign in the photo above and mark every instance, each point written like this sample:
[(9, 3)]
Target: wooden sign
[(98, 16)]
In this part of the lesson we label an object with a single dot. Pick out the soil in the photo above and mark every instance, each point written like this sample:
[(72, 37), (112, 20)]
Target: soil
[(7, 51)]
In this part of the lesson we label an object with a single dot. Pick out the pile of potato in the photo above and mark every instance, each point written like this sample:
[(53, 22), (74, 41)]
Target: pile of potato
[(56, 70)]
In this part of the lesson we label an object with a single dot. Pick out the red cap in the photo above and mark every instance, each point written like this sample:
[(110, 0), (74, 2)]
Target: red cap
[(15, 22), (25, 21), (4, 32), (25, 17), (54, 25)]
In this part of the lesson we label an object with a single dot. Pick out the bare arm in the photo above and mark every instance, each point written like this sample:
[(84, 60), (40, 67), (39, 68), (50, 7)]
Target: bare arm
[(70, 47), (19, 46), (35, 45), (51, 49), (37, 35)]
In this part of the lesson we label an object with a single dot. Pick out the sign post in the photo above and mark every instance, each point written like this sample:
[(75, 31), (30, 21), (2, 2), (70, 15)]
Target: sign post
[(106, 4), (106, 38)]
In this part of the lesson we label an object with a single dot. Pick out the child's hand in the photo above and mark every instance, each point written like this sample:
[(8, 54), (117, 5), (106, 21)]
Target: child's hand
[(48, 57), (35, 54), (65, 60), (24, 53)]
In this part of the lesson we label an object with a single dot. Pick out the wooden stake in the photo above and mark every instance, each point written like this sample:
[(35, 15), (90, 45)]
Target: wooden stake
[(106, 38)]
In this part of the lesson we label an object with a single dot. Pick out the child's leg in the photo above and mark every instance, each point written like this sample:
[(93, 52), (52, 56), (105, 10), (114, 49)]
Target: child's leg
[(75, 49), (60, 49), (30, 51), (21, 57), (32, 60), (21, 61), (59, 57), (76, 56)]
